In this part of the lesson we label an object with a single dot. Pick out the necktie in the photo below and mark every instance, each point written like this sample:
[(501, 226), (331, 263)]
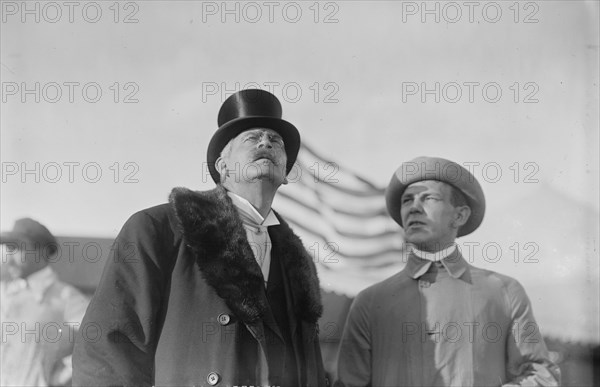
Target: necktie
[(258, 240)]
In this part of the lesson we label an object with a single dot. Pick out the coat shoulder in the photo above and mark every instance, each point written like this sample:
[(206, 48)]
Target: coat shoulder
[(157, 220), (159, 213), (495, 279), (382, 291), (390, 284)]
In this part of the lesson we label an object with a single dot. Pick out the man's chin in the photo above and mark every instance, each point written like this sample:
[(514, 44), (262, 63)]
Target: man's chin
[(266, 177), (416, 238), (263, 169)]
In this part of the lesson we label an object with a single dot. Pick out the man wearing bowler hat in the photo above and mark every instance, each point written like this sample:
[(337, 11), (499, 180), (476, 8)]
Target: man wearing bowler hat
[(213, 288), (441, 321)]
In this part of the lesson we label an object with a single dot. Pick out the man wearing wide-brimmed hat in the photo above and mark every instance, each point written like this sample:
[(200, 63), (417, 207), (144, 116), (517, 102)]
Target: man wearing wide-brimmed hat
[(441, 321), (212, 288), (38, 312)]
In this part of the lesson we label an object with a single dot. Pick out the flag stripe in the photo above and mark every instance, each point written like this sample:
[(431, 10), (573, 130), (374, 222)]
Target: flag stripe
[(358, 234), (343, 222), (367, 183)]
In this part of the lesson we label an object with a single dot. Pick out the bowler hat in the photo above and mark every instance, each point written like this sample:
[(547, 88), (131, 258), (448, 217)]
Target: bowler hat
[(435, 168), (247, 109), (29, 231)]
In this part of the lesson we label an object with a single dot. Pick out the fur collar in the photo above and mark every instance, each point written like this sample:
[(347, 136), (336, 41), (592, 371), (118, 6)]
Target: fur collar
[(213, 230)]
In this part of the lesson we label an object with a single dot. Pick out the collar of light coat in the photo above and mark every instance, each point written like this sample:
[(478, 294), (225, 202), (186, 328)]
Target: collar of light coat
[(433, 256), (454, 263), (214, 232)]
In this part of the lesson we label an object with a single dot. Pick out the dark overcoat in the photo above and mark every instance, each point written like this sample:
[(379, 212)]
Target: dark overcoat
[(182, 302)]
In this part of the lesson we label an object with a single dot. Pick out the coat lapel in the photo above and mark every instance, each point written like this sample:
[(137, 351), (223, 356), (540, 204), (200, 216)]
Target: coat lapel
[(299, 272), (213, 231)]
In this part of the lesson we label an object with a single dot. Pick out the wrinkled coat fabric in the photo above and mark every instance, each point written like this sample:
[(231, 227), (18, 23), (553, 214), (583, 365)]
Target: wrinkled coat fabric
[(444, 324), (182, 302)]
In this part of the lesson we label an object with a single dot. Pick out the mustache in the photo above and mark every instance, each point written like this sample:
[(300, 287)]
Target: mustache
[(265, 154), (412, 221)]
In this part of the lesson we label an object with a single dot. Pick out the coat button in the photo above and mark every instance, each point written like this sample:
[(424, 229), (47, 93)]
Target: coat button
[(213, 378), (224, 319)]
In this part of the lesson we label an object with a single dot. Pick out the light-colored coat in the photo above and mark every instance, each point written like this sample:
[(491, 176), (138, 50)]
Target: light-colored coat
[(444, 324)]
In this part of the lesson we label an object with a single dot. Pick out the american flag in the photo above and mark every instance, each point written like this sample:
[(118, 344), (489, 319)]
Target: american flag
[(343, 222)]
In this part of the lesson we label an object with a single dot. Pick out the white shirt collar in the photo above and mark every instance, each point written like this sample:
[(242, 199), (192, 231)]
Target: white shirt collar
[(248, 211), (435, 256)]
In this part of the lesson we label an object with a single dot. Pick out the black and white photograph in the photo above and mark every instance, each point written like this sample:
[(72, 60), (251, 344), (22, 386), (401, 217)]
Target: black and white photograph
[(307, 193)]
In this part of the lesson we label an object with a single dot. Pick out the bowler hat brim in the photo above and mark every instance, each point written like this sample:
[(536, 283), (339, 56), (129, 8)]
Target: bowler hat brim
[(433, 168), (30, 232), (231, 129)]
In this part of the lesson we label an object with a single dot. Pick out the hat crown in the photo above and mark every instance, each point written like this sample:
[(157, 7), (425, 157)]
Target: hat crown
[(435, 168), (249, 103), (30, 227), (28, 230)]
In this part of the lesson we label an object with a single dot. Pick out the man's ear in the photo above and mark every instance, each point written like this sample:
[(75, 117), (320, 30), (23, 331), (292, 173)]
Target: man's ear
[(221, 167), (462, 216)]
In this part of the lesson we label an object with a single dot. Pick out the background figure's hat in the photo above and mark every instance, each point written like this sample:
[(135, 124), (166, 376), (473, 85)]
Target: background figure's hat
[(434, 168), (247, 109), (29, 231)]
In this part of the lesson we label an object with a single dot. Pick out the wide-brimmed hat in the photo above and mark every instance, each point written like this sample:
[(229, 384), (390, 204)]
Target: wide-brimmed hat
[(435, 168), (32, 233), (247, 109)]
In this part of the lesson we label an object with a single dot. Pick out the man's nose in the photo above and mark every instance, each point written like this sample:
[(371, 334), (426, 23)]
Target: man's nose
[(416, 206), (265, 142)]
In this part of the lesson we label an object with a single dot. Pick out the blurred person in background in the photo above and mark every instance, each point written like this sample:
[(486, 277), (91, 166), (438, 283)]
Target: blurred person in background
[(39, 314), (213, 288), (441, 321)]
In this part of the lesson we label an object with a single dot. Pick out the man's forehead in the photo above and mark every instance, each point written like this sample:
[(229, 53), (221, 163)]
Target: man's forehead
[(260, 131), (426, 185)]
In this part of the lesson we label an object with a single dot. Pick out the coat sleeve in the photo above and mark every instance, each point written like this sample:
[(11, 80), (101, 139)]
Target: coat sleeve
[(528, 361), (116, 343), (354, 358)]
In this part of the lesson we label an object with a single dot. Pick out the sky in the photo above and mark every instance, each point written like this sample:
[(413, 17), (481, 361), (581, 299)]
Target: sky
[(360, 84), (106, 106)]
